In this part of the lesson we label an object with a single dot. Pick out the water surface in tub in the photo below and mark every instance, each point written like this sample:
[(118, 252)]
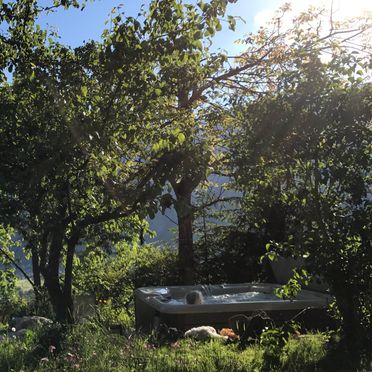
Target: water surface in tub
[(232, 298)]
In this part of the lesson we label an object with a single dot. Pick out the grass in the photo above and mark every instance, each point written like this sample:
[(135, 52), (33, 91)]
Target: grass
[(90, 347), (306, 352), (101, 351)]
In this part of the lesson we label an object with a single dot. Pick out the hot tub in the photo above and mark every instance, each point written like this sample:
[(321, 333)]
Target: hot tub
[(155, 305)]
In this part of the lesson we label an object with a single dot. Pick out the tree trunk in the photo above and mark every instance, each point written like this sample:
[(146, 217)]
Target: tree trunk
[(67, 289), (61, 300), (186, 250), (35, 267), (185, 237), (36, 273), (56, 297), (352, 328)]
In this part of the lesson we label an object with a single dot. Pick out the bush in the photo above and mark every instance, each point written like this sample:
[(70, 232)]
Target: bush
[(113, 278), (10, 300)]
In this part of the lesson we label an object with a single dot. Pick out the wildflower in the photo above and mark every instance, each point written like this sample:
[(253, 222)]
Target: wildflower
[(71, 358), (176, 344), (51, 349), (13, 329)]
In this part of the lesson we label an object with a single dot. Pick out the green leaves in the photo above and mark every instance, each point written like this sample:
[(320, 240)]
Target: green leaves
[(198, 35), (209, 32), (9, 297), (232, 22), (203, 6), (301, 159), (181, 138), (84, 91)]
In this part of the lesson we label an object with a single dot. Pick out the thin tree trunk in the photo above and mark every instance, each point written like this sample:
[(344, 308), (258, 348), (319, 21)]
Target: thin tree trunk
[(35, 267), (67, 289), (186, 250), (185, 237), (36, 273)]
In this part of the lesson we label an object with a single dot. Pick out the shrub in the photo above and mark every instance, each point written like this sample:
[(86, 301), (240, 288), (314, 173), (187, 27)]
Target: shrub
[(9, 298), (112, 278), (10, 301)]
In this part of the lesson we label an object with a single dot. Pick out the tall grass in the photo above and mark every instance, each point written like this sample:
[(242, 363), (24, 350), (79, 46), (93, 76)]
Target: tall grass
[(90, 347)]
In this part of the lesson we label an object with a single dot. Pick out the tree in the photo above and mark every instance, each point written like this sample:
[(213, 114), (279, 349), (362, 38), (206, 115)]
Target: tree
[(73, 125), (23, 51), (305, 151), (202, 85), (188, 74), (50, 190), (81, 132)]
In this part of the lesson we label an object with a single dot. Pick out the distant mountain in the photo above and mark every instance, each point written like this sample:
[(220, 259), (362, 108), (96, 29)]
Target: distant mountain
[(164, 226)]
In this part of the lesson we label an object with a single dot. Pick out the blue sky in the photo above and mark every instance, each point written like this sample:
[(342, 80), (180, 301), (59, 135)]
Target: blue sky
[(75, 26)]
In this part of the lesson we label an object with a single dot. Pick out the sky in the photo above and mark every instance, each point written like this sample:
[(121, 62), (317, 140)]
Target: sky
[(75, 26)]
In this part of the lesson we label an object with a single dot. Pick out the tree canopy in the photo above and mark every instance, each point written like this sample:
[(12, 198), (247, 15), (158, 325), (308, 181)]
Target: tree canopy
[(302, 157)]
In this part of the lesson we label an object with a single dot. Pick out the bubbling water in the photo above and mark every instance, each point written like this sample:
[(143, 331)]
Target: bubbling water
[(233, 298), (241, 297)]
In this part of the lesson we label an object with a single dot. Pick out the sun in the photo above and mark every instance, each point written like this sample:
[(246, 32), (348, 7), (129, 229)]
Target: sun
[(341, 9), (344, 9)]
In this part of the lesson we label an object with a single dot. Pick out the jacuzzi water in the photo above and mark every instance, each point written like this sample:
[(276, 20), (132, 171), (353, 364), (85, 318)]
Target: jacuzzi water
[(231, 298)]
